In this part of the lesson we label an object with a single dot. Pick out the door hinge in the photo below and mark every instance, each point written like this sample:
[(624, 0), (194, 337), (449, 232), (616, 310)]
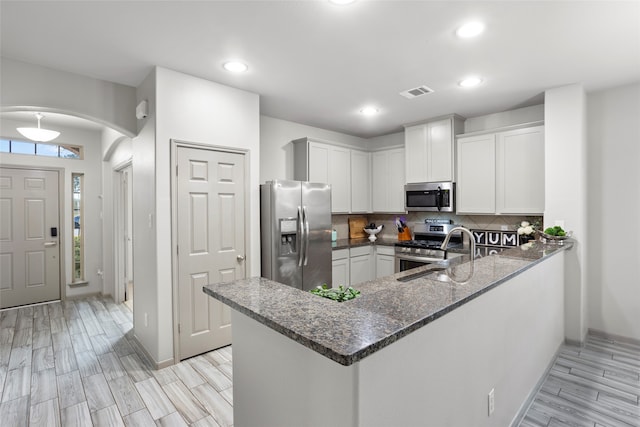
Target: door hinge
[(176, 170), (178, 327), (177, 250)]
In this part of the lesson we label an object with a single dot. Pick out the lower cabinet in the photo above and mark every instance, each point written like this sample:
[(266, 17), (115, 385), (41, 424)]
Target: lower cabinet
[(385, 261), (340, 268), (360, 265)]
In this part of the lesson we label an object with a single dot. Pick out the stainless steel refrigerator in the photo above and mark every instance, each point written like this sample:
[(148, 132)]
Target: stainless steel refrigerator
[(296, 233)]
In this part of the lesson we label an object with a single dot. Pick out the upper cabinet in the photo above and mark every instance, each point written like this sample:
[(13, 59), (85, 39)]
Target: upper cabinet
[(501, 172), (387, 183), (430, 150), (347, 171), (360, 181)]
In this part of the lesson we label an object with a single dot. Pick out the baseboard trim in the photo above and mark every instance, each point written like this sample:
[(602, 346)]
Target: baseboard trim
[(532, 394), (149, 359), (614, 337)]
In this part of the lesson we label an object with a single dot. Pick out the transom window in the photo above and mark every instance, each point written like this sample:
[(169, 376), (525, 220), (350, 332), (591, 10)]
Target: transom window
[(40, 149)]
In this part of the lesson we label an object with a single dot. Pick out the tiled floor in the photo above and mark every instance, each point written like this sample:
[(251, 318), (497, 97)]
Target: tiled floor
[(74, 363), (596, 385)]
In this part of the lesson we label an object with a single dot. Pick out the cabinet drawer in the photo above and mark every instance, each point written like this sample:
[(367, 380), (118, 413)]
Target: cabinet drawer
[(339, 254), (385, 250), (360, 250)]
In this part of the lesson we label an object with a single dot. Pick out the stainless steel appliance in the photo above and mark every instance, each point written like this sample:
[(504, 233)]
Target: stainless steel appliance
[(296, 233), (430, 196), (425, 248)]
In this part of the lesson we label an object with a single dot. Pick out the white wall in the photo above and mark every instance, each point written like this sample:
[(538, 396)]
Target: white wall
[(27, 86), (91, 167), (565, 193), (145, 293), (386, 141), (614, 209), (195, 110), (518, 116)]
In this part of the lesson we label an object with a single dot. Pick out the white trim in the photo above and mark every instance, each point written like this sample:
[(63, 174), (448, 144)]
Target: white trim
[(118, 244), (175, 144)]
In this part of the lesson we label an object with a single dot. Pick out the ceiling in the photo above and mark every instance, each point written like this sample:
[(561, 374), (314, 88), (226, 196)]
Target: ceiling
[(316, 63)]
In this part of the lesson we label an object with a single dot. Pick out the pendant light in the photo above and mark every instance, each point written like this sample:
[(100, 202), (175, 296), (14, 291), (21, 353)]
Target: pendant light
[(39, 134)]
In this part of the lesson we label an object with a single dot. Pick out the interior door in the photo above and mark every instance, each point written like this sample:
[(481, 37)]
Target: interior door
[(29, 236), (211, 248)]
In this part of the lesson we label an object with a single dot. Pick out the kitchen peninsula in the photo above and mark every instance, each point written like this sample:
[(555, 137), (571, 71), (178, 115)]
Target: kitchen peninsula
[(406, 352)]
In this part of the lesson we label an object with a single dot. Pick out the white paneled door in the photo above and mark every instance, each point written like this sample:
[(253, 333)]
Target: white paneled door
[(211, 243), (29, 230)]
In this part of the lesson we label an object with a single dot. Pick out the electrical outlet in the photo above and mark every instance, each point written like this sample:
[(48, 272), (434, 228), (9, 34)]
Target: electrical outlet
[(146, 321), (491, 401)]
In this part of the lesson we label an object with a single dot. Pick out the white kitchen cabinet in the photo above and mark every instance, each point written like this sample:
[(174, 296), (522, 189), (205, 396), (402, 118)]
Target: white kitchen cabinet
[(430, 150), (385, 261), (361, 266), (321, 162), (501, 172), (360, 181), (520, 171), (387, 180), (340, 268), (476, 185)]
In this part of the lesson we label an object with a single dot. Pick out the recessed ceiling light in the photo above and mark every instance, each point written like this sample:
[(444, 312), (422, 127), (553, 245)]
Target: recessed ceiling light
[(369, 111), (341, 2), (470, 82), (470, 29), (235, 66)]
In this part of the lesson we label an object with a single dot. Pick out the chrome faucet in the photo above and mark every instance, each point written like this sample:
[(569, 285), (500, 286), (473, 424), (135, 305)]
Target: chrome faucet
[(472, 242)]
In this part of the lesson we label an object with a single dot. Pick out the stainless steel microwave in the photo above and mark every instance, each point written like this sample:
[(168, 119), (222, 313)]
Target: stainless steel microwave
[(430, 197)]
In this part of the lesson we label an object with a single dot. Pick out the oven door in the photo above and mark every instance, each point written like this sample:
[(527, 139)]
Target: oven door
[(407, 262)]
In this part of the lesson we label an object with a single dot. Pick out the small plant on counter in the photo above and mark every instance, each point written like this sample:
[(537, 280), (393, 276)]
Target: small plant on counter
[(339, 294)]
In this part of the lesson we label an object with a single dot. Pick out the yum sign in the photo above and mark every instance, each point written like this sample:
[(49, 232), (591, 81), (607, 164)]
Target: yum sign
[(495, 238)]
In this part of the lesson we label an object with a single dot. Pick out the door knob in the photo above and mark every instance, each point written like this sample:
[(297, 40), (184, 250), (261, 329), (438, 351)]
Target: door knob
[(240, 258)]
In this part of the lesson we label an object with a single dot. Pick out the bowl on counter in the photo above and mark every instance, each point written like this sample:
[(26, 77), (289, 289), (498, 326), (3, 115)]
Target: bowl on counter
[(558, 240), (372, 232)]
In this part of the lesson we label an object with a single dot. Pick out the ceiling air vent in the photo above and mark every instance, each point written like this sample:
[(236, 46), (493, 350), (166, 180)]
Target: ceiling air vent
[(416, 92)]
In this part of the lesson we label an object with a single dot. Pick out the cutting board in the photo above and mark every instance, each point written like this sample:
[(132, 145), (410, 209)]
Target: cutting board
[(356, 228)]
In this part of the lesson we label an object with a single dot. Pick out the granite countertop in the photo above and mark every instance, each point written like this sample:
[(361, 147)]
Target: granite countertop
[(387, 309), (353, 243)]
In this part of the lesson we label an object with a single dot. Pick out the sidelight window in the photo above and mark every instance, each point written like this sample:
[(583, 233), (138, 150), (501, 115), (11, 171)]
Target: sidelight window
[(78, 226)]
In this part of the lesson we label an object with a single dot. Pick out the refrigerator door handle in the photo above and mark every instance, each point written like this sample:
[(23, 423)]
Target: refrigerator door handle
[(306, 234), (299, 243)]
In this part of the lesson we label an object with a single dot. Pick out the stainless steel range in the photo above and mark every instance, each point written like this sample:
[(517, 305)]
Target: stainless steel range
[(425, 247)]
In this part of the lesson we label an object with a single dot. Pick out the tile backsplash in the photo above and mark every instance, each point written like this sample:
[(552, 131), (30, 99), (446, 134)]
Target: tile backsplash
[(482, 222)]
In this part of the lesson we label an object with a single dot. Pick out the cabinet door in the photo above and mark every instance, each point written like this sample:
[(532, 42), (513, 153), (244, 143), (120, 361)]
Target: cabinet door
[(340, 179), (415, 145), (318, 163), (520, 171), (360, 181), (361, 267), (340, 272), (476, 174), (395, 180), (385, 261), (439, 151), (379, 181)]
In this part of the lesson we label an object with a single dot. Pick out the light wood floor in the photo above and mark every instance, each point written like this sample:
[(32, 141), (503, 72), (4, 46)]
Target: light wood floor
[(74, 363), (596, 385)]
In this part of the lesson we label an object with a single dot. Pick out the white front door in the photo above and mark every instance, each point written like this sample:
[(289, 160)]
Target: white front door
[(211, 243), (29, 236)]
